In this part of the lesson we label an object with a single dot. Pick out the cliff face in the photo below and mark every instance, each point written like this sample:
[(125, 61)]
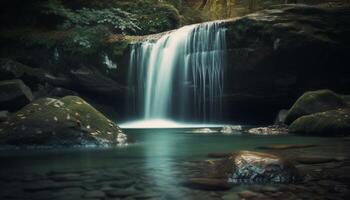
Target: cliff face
[(277, 54)]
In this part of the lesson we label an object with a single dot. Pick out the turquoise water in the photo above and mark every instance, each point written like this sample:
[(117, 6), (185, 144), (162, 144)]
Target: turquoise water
[(158, 161)]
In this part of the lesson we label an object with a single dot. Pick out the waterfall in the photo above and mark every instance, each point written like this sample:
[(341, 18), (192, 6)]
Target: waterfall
[(180, 75)]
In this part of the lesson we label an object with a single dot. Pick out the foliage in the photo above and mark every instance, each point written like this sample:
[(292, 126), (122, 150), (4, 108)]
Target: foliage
[(151, 17), (89, 26)]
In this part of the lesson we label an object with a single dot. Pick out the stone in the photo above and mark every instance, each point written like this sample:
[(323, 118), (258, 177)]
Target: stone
[(314, 102), (62, 92), (14, 94), (204, 130), (11, 69), (207, 184), (262, 75), (328, 123), (257, 167), (95, 82), (270, 130), (231, 129), (67, 121)]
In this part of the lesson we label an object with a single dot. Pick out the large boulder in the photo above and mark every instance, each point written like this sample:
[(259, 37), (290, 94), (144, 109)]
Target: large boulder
[(14, 94), (11, 69), (67, 121), (328, 123), (94, 82), (314, 102)]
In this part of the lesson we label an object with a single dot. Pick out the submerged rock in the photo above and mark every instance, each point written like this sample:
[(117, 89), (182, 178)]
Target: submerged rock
[(14, 94), (246, 167), (257, 167), (328, 123), (68, 121), (314, 102), (207, 184)]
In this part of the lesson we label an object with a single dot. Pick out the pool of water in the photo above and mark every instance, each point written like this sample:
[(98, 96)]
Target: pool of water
[(155, 165)]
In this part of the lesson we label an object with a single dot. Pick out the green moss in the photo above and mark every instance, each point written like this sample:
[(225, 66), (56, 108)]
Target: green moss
[(328, 123), (69, 120), (119, 48), (313, 102), (88, 115)]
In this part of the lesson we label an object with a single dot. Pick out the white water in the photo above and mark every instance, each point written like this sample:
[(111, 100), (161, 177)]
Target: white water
[(181, 74), (108, 62), (164, 123)]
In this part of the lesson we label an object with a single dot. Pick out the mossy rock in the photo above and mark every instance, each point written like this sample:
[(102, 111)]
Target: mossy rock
[(328, 123), (314, 102), (68, 121)]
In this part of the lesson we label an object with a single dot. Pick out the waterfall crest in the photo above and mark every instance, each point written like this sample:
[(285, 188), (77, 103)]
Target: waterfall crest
[(181, 74)]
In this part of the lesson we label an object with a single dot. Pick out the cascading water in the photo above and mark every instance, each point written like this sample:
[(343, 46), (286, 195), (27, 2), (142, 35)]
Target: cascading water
[(180, 75)]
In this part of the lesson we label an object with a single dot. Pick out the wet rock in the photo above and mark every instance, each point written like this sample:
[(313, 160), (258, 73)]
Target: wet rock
[(67, 121), (14, 94), (270, 130), (286, 146), (204, 130), (207, 184), (256, 167), (231, 129), (314, 102), (328, 123)]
